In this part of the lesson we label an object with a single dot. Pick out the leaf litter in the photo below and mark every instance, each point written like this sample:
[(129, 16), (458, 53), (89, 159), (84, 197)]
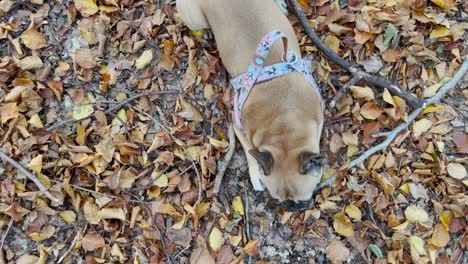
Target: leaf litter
[(75, 60)]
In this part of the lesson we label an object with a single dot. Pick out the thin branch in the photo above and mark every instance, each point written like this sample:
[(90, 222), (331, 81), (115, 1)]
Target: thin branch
[(72, 245), (111, 109), (30, 176), (227, 159), (246, 219), (199, 178), (353, 69), (341, 92), (390, 135), (10, 224)]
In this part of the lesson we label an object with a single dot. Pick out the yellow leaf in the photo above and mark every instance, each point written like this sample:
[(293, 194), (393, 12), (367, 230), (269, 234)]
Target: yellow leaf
[(35, 121), (416, 214), (446, 218), (33, 39), (46, 233), (36, 164), (216, 239), (433, 108), (405, 188), (44, 180), (108, 9), (353, 211), (352, 150), (219, 144), (342, 225), (418, 244), (238, 205), (112, 213), (362, 92), (145, 59), (420, 127), (456, 170), (68, 216), (162, 181), (446, 4), (122, 117), (441, 236), (202, 208), (439, 32), (82, 110), (180, 223), (432, 90), (86, 7), (401, 226), (333, 43), (197, 34)]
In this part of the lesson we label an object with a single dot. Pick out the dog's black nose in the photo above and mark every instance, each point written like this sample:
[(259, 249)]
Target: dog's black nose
[(293, 206)]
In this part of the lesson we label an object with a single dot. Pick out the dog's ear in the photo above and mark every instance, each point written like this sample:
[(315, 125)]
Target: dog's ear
[(264, 158), (309, 161)]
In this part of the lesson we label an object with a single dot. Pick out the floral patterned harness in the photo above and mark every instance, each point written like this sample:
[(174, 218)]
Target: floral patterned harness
[(258, 73)]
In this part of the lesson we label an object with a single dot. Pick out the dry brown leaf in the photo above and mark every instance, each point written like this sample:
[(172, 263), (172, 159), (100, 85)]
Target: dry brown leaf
[(441, 236), (251, 247), (337, 252), (85, 58), (416, 214), (33, 39), (92, 241)]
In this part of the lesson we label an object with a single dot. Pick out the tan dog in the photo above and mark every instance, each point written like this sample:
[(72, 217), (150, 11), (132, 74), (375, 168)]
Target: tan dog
[(282, 118)]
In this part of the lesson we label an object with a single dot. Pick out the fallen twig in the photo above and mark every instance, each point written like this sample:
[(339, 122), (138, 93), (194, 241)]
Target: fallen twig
[(353, 69), (111, 109), (199, 178), (246, 219), (10, 224), (30, 176), (390, 135), (344, 90), (227, 159), (72, 245)]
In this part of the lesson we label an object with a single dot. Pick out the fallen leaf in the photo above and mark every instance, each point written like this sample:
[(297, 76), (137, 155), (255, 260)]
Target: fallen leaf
[(420, 127), (337, 252), (460, 139), (418, 244), (441, 236), (251, 247), (371, 110), (112, 213), (86, 7), (27, 259), (238, 205), (333, 43), (201, 256), (144, 60), (416, 214), (446, 4), (85, 58), (342, 225), (353, 211), (8, 111), (457, 170), (439, 32), (216, 239), (391, 55), (68, 216), (30, 63), (92, 241), (33, 39), (376, 251), (362, 92)]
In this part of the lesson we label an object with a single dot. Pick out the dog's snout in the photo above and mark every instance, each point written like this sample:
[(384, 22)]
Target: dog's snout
[(293, 206)]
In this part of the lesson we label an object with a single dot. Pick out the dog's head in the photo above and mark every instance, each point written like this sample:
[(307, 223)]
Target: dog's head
[(291, 176)]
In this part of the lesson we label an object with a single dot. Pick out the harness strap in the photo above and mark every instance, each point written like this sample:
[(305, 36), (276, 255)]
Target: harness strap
[(258, 73)]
